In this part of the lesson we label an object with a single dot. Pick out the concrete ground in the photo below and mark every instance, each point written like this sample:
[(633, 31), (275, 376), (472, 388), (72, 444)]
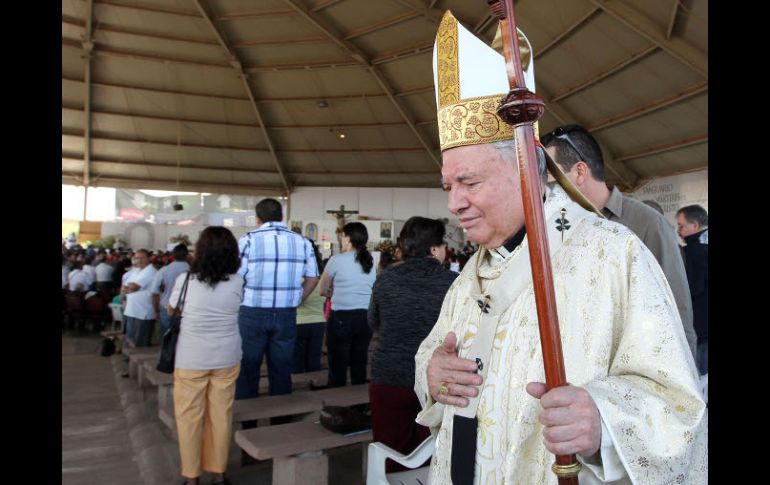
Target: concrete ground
[(111, 433)]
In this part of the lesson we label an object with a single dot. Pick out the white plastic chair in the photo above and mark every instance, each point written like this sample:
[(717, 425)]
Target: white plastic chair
[(375, 467), (117, 315)]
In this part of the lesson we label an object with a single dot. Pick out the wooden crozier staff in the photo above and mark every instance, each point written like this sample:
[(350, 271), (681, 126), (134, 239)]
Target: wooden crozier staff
[(520, 109)]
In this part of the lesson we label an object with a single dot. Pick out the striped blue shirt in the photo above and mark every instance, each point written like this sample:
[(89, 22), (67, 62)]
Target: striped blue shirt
[(274, 262)]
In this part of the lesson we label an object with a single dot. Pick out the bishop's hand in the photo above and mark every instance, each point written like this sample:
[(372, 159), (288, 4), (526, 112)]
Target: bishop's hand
[(571, 419), (457, 376)]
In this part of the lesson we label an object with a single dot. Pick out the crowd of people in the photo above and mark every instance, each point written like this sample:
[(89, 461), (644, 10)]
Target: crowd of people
[(458, 352), (272, 294)]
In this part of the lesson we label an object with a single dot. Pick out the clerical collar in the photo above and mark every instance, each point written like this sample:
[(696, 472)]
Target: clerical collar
[(507, 248)]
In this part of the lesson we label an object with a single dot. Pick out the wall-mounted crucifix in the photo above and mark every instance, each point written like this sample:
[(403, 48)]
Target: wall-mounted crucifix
[(340, 215)]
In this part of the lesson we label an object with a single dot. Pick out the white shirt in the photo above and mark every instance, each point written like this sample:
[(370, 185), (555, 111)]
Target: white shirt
[(104, 272), (209, 337), (139, 303), (79, 277), (91, 270)]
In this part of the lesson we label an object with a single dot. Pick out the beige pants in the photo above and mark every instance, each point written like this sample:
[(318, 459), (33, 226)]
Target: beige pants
[(203, 405)]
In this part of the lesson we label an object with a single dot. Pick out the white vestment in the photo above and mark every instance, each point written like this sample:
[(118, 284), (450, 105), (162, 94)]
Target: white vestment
[(622, 341)]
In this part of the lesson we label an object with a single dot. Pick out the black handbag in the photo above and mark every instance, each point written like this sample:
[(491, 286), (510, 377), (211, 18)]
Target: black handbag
[(108, 346), (346, 419), (168, 346)]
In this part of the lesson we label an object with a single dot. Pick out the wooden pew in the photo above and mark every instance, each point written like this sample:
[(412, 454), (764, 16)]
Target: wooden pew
[(301, 402), (137, 355), (297, 449)]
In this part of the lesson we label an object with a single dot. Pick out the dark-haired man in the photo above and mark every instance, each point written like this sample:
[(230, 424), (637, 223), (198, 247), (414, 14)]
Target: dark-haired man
[(692, 224), (280, 270), (580, 157), (164, 282)]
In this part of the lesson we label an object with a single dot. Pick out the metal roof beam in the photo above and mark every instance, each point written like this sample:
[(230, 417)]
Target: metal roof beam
[(688, 93), (672, 19), (322, 5), (627, 177), (147, 8), (677, 48), (660, 149), (186, 166), (361, 57), (362, 96), (139, 33), (431, 14), (368, 29), (72, 158), (66, 132), (605, 74), (570, 30), (421, 48), (236, 63), (162, 184), (176, 119), (255, 14), (88, 46)]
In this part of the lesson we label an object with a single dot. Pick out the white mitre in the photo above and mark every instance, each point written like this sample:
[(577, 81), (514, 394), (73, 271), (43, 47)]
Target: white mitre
[(470, 81)]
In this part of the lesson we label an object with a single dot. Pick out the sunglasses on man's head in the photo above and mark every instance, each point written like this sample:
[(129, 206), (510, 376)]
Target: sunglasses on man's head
[(562, 134)]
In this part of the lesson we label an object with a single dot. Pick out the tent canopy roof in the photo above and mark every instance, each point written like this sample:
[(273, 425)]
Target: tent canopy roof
[(243, 97)]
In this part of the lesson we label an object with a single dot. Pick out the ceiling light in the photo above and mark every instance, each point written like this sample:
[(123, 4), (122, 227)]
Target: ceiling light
[(323, 104), (342, 135)]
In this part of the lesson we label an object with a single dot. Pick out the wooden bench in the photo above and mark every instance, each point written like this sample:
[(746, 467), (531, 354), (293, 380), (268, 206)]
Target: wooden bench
[(297, 449), (139, 361), (163, 381), (301, 403)]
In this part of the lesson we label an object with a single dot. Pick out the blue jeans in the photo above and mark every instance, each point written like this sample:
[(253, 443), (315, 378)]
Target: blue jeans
[(307, 349), (165, 322), (142, 331), (270, 331)]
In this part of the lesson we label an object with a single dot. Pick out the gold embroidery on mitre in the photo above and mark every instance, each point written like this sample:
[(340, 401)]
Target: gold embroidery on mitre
[(472, 121), (447, 61)]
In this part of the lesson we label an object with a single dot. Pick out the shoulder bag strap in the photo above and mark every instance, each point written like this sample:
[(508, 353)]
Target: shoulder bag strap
[(180, 304)]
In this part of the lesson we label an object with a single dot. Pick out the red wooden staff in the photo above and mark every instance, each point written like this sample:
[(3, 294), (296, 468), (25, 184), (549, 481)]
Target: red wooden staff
[(520, 109)]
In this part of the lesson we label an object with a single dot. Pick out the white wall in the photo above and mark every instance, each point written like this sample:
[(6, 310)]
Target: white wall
[(675, 192), (311, 203)]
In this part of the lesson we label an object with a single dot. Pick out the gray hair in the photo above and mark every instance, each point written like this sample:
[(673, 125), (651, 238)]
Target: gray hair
[(507, 149)]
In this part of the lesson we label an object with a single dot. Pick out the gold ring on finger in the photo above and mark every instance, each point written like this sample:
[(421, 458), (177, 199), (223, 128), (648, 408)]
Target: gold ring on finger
[(443, 389)]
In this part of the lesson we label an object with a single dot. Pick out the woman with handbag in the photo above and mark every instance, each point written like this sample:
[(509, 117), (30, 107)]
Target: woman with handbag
[(208, 354)]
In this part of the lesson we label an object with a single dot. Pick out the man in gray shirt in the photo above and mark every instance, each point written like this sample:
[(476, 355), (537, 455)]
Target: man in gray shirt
[(164, 282), (580, 157)]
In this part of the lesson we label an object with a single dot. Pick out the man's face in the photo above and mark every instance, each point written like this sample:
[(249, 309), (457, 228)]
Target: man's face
[(571, 174), (141, 260), (685, 227), (484, 193)]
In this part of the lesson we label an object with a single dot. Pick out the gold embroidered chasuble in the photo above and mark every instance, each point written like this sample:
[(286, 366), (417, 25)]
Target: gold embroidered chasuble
[(622, 341)]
